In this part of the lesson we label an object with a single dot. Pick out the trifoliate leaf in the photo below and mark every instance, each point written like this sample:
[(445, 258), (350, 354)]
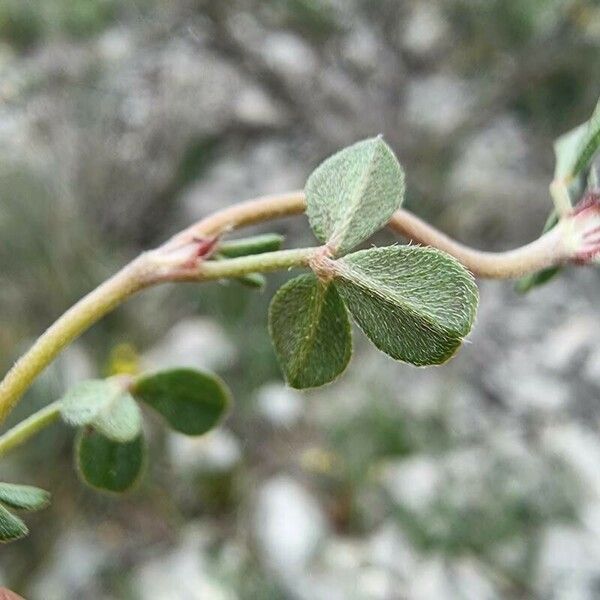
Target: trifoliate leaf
[(24, 497), (415, 304), (11, 527), (310, 330), (268, 242), (108, 465), (192, 402), (575, 150), (354, 193), (105, 405)]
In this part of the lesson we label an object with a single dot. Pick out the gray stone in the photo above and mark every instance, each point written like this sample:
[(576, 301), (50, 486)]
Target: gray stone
[(182, 573), (438, 103), (279, 404), (289, 525), (426, 29), (196, 343), (218, 451)]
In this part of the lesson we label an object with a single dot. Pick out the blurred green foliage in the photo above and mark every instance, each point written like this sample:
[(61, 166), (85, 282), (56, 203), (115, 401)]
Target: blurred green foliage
[(26, 23)]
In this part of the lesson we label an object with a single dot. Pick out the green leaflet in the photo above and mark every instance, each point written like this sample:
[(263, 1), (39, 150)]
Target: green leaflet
[(309, 326), (268, 242), (192, 402), (108, 465), (415, 304), (354, 193), (11, 527), (575, 150), (23, 497), (106, 406), (255, 281), (590, 142)]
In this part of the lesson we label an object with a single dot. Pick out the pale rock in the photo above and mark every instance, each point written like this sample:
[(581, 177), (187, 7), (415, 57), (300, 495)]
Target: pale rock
[(254, 107), (280, 405), (389, 548), (361, 48), (289, 525), (181, 573), (568, 341), (538, 393), (495, 171), (265, 168), (114, 45), (217, 451), (413, 482), (196, 343), (568, 564), (430, 580), (425, 30), (592, 368), (580, 450), (375, 584), (438, 103), (289, 55), (471, 582), (72, 569)]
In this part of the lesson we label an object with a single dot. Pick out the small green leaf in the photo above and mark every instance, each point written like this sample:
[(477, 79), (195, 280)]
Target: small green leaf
[(106, 406), (11, 527), (575, 150), (24, 497), (255, 281), (527, 283), (108, 465), (259, 244), (415, 304), (310, 330), (354, 193), (192, 402)]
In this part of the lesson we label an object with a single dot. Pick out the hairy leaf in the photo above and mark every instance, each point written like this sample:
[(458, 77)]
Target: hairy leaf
[(310, 330), (354, 193), (106, 406), (268, 242), (192, 402), (415, 304), (108, 465), (575, 150), (24, 497), (11, 527)]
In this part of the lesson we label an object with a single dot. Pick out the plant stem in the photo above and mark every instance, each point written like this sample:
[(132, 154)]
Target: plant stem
[(548, 250), (161, 265), (73, 323), (544, 252), (237, 267), (26, 429)]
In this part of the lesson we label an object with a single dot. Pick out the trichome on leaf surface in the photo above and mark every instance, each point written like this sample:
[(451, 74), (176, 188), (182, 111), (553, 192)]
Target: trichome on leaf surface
[(416, 302)]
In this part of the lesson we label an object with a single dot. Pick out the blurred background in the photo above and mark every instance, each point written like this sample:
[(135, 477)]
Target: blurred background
[(122, 121)]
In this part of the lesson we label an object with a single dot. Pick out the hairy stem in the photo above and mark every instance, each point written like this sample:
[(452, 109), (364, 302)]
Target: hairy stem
[(544, 252), (166, 264), (26, 429), (237, 267), (540, 254)]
